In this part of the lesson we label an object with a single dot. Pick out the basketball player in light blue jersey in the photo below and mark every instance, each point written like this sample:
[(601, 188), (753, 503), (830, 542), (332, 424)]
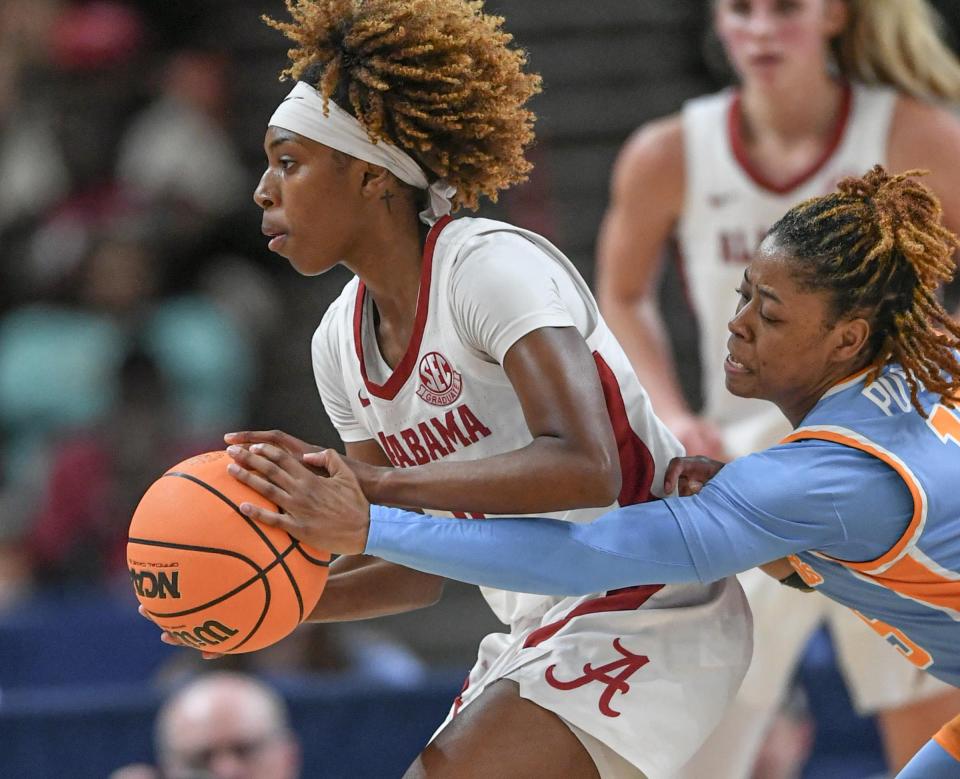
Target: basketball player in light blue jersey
[(839, 325)]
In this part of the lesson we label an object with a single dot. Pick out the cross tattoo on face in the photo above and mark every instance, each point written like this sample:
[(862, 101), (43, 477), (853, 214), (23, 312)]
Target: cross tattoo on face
[(387, 196)]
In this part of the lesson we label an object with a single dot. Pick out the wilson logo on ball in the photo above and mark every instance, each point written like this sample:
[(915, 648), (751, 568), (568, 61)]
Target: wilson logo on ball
[(159, 584), (440, 384), (210, 633)]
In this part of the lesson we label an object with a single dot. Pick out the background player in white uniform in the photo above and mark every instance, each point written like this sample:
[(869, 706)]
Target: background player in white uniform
[(716, 177), (467, 369)]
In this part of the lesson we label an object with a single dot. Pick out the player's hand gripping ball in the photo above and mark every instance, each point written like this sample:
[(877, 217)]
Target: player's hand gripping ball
[(211, 577)]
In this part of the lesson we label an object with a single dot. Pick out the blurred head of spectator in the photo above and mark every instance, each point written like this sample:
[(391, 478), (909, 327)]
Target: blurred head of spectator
[(136, 771), (226, 726), (120, 277), (96, 34), (177, 152), (32, 165), (198, 78)]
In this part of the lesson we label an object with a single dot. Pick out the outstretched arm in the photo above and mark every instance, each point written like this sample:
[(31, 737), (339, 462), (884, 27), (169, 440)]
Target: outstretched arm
[(631, 545), (758, 508)]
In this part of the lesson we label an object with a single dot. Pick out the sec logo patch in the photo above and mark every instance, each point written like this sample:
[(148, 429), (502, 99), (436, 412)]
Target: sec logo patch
[(440, 384)]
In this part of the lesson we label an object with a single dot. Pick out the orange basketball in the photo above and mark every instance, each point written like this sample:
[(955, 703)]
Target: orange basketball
[(208, 575)]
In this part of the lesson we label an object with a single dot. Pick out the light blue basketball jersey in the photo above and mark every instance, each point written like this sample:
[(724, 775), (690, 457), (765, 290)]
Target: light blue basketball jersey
[(911, 594)]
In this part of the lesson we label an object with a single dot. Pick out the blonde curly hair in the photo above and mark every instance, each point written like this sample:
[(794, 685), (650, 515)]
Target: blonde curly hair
[(436, 78)]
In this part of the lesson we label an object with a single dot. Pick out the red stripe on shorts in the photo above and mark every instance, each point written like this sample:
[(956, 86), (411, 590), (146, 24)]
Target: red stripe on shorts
[(458, 701), (627, 599)]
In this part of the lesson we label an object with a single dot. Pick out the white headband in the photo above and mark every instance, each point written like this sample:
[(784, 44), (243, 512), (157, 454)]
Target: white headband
[(302, 112)]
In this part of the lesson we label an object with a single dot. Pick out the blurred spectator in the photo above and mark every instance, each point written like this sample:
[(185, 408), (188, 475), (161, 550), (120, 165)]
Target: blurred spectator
[(222, 725), (98, 50), (98, 476), (32, 168), (59, 360), (228, 725), (135, 771), (177, 151), (17, 506), (95, 35)]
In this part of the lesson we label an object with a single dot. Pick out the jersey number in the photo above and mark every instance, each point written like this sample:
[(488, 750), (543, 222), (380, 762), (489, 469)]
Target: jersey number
[(899, 640), (945, 424)]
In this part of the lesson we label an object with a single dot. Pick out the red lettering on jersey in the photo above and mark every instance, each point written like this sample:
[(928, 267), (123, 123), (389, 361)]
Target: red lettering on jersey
[(413, 444), (421, 449), (474, 427), (733, 248), (736, 248), (434, 448), (449, 431), (388, 450), (402, 459)]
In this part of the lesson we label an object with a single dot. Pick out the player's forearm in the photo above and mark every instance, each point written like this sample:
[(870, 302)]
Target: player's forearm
[(640, 331), (549, 474), (701, 538), (362, 587), (627, 546)]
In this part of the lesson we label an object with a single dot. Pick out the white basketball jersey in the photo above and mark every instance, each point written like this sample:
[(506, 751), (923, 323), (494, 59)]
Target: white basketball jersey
[(727, 210), (446, 401)]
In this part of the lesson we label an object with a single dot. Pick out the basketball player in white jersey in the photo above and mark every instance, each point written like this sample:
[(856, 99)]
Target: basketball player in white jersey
[(715, 177), (467, 370)]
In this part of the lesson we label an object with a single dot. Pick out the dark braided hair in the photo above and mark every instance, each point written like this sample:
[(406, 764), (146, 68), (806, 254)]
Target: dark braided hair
[(879, 247), (437, 78)]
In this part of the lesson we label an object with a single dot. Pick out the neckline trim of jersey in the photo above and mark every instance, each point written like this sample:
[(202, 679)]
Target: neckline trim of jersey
[(389, 389), (738, 145)]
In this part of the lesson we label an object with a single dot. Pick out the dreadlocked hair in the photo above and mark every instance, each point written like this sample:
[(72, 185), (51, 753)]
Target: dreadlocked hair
[(435, 78), (878, 245)]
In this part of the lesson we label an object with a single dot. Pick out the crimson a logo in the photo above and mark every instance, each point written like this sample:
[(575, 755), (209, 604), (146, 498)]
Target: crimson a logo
[(613, 676), (440, 384)]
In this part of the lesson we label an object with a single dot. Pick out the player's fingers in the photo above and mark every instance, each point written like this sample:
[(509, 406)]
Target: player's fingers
[(316, 461), (166, 638), (266, 516), (271, 462), (331, 460), (318, 458), (259, 484), (679, 469), (275, 454), (255, 436), (286, 470), (279, 438), (689, 484), (243, 437), (674, 470)]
